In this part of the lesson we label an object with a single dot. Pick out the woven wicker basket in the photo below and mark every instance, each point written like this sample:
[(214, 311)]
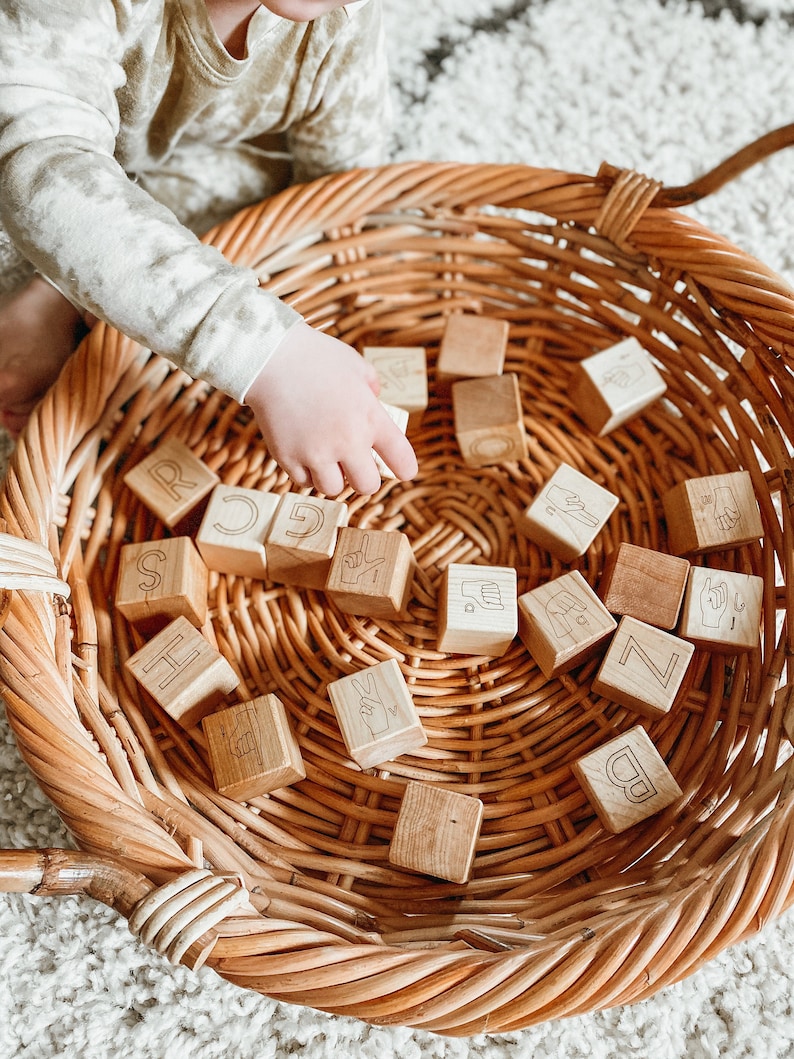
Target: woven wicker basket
[(560, 916)]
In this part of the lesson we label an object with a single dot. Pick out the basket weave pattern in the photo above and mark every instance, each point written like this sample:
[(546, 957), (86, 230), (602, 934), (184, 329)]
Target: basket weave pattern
[(560, 917)]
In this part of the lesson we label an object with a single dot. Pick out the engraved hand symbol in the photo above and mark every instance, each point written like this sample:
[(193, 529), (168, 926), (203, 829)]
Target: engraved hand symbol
[(485, 594), (726, 510), (623, 377), (374, 713), (357, 564), (713, 603), (393, 371), (569, 503), (559, 606)]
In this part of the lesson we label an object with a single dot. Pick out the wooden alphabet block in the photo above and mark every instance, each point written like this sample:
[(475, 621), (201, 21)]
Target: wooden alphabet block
[(645, 584), (643, 668), (568, 513), (376, 714), (400, 417), (252, 748), (489, 420), (722, 609), (436, 832), (562, 623), (478, 609), (402, 373), (183, 672), (171, 481), (613, 386), (302, 538), (712, 512), (471, 346), (626, 780), (231, 537), (159, 581), (371, 572)]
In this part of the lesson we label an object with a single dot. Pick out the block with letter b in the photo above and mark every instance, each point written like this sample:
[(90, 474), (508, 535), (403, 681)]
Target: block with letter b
[(722, 609), (231, 537), (626, 780), (611, 387), (371, 572), (159, 581), (478, 610), (712, 512), (183, 672), (302, 538), (436, 832), (568, 513), (643, 668), (171, 481)]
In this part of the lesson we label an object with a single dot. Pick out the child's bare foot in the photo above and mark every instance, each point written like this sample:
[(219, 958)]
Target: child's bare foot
[(39, 330)]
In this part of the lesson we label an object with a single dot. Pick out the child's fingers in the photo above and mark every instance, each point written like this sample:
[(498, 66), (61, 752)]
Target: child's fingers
[(328, 479), (362, 473), (397, 453)]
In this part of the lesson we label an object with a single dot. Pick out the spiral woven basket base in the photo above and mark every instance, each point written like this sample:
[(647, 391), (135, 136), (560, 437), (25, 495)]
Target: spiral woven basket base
[(560, 916)]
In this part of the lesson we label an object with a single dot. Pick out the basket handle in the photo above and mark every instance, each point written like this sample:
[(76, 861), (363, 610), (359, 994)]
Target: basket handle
[(733, 166)]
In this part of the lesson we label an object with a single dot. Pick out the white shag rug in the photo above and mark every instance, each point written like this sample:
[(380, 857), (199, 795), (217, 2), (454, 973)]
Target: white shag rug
[(668, 88)]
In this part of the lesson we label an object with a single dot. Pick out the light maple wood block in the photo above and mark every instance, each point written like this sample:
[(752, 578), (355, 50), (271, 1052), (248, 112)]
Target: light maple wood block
[(613, 386), (436, 832), (171, 481), (722, 609), (643, 668), (477, 609), (712, 512), (489, 420), (568, 513), (301, 540), (371, 572), (626, 780), (183, 672), (159, 581), (252, 748), (376, 714), (645, 584), (471, 346), (562, 623), (231, 537), (402, 373), (399, 416)]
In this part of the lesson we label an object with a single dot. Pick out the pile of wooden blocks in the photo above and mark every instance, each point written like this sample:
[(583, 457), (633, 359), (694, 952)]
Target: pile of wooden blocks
[(645, 618)]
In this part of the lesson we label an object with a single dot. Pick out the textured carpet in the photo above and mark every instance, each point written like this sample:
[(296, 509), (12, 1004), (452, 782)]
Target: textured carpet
[(666, 88)]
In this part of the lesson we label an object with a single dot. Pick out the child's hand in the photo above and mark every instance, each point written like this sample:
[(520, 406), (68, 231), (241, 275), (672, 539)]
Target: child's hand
[(316, 404)]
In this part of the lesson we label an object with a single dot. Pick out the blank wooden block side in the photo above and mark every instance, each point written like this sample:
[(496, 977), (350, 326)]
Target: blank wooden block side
[(231, 537), (183, 672), (489, 420), (159, 581), (568, 513), (471, 346), (436, 832), (626, 780), (722, 609), (645, 584), (712, 512), (477, 609), (376, 714), (171, 481), (643, 668), (252, 748), (371, 572), (611, 387)]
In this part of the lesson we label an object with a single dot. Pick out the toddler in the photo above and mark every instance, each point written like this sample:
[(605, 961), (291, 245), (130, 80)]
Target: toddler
[(129, 127)]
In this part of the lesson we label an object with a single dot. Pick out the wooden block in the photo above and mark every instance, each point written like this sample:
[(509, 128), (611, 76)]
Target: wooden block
[(613, 386), (231, 537), (159, 581), (643, 668), (400, 417), (477, 609), (722, 609), (568, 513), (252, 748), (645, 584), (376, 714), (562, 623), (183, 672), (471, 346), (436, 832), (626, 780), (712, 512), (489, 420), (302, 538), (371, 573), (171, 481), (402, 373)]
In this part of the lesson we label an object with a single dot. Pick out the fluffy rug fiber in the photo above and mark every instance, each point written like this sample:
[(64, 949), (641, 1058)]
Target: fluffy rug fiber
[(664, 86)]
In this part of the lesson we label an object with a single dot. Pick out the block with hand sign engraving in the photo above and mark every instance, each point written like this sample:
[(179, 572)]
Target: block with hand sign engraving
[(613, 386), (626, 780), (376, 714), (568, 513), (712, 512), (402, 373), (478, 610), (722, 609), (371, 572)]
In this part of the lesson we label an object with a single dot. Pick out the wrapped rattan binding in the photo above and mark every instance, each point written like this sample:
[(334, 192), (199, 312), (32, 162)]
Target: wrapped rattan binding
[(559, 917)]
